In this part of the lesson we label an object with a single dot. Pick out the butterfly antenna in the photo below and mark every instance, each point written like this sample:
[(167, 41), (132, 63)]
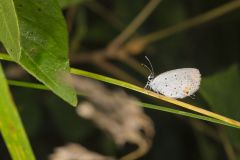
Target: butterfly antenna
[(152, 71), (147, 68)]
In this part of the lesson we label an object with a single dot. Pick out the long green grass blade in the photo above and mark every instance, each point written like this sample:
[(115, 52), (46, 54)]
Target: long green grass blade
[(11, 126), (145, 105), (187, 114)]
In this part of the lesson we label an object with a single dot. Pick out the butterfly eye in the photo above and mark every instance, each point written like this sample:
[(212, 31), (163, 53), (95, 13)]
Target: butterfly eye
[(150, 77)]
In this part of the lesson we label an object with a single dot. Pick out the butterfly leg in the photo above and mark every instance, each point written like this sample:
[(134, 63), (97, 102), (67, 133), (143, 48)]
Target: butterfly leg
[(147, 86), (192, 96)]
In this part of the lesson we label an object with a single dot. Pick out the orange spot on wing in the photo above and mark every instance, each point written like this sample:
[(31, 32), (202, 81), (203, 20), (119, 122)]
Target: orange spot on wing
[(186, 90)]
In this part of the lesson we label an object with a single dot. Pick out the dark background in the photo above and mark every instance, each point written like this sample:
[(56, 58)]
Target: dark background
[(211, 47)]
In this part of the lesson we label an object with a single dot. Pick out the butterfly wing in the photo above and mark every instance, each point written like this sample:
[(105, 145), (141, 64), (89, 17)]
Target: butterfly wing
[(177, 83)]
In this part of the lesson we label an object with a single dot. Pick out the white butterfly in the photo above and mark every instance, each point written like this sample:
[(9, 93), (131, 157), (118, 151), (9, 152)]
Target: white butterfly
[(177, 83)]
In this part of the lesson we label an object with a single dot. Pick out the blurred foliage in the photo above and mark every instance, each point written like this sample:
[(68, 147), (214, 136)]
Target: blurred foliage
[(27, 108), (222, 92), (68, 124), (67, 3)]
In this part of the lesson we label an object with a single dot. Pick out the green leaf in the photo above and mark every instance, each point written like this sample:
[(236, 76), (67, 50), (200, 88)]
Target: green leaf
[(11, 126), (9, 30), (66, 3), (222, 92), (34, 34)]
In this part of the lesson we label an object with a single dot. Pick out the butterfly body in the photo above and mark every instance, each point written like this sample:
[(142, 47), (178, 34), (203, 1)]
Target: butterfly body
[(178, 83)]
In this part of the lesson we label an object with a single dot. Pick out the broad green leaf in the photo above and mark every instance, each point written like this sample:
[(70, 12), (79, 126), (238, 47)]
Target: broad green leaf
[(34, 34), (11, 126), (222, 92), (9, 30), (66, 3)]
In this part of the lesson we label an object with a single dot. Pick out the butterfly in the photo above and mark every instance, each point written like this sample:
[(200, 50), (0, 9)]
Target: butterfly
[(177, 83)]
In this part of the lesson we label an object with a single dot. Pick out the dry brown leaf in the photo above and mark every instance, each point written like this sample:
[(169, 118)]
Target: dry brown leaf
[(74, 151), (116, 113)]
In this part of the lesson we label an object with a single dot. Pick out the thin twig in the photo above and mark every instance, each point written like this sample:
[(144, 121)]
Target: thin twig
[(116, 71), (131, 62), (143, 41), (102, 11), (132, 27), (227, 144), (203, 18), (71, 12), (79, 32)]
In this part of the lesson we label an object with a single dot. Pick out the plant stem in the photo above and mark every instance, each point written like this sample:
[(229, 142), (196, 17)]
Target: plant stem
[(141, 90), (145, 105), (132, 27), (203, 18), (153, 94)]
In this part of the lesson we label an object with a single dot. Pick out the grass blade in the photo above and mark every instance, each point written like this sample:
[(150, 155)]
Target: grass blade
[(145, 105), (11, 126), (210, 114), (153, 94)]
